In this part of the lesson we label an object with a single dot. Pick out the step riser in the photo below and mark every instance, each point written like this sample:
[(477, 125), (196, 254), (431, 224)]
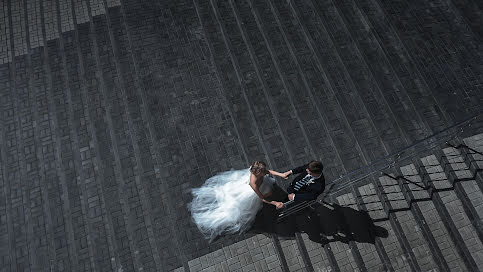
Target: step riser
[(410, 173), (443, 212), (359, 251), (428, 226), (409, 196), (386, 262), (405, 246), (473, 157), (459, 175)]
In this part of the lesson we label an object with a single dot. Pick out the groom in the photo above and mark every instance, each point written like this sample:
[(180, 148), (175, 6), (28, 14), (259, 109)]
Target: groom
[(309, 183)]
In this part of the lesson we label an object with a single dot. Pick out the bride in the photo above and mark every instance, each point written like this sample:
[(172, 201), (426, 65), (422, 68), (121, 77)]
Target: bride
[(229, 201)]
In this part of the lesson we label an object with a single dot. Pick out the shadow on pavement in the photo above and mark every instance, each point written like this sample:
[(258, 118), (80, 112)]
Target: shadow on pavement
[(323, 224)]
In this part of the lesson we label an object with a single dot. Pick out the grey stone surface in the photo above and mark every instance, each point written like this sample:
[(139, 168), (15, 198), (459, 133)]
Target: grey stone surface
[(28, 15), (391, 245), (344, 252), (256, 253), (470, 186), (112, 110), (434, 222), (317, 256), (407, 220), (458, 216), (367, 251)]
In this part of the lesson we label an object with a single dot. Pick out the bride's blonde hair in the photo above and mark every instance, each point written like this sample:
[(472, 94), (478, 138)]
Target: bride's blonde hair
[(258, 167)]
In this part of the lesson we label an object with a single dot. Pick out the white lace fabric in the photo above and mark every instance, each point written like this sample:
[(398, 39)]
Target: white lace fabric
[(226, 204)]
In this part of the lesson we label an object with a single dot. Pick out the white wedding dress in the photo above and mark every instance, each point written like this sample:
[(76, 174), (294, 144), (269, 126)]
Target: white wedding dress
[(226, 203)]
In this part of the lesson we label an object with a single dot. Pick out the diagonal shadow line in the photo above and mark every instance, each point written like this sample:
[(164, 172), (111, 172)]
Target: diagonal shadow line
[(431, 190), (300, 207), (405, 179), (323, 223), (461, 146)]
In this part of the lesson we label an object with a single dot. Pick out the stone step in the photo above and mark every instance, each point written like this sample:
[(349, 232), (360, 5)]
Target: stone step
[(426, 48), (256, 253), (301, 74), (317, 254), (470, 12), (346, 253), (397, 103), (435, 173), (390, 188), (400, 58), (357, 105), (466, 186), (262, 64), (315, 57), (474, 158), (235, 94), (365, 253), (431, 223), (366, 83), (31, 16), (428, 227), (463, 230), (293, 255), (390, 249), (409, 227)]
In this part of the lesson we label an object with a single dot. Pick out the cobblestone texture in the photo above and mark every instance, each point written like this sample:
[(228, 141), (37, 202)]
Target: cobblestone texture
[(256, 253), (344, 252), (391, 245), (412, 232), (435, 224), (462, 171), (475, 142), (27, 14), (458, 214), (316, 253), (367, 251)]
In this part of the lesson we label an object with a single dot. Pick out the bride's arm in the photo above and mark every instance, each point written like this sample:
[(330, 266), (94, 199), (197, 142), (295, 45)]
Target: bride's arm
[(257, 191), (282, 175)]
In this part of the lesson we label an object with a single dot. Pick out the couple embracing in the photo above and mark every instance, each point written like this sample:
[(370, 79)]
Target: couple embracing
[(228, 202)]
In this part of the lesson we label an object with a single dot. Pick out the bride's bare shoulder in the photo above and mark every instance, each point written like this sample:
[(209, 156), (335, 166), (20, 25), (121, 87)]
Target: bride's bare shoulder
[(255, 180), (253, 177)]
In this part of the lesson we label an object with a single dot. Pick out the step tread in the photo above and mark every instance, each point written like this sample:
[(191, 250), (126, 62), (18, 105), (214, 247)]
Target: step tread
[(317, 255), (393, 192), (462, 171), (292, 254), (433, 220), (476, 142), (367, 251), (411, 174), (436, 173), (257, 252)]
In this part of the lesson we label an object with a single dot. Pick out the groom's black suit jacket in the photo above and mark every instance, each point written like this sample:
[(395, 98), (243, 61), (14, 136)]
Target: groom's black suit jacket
[(308, 192)]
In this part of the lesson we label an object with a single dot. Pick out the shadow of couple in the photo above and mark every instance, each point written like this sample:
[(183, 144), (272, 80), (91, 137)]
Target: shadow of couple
[(323, 223)]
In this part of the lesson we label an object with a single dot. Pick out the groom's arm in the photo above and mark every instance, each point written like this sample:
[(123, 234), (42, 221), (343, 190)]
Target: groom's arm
[(299, 169), (304, 197), (294, 171), (312, 192)]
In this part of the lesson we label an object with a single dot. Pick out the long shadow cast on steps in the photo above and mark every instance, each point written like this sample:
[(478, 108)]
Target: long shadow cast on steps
[(324, 223)]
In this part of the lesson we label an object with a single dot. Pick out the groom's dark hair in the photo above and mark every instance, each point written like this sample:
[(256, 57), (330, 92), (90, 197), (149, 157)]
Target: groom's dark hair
[(315, 167)]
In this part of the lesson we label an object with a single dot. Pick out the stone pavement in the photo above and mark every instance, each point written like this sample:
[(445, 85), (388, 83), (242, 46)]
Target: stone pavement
[(112, 110)]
